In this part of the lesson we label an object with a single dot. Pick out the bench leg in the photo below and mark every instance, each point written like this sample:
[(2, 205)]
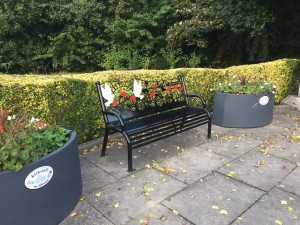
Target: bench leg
[(104, 142), (130, 167), (129, 152), (209, 129)]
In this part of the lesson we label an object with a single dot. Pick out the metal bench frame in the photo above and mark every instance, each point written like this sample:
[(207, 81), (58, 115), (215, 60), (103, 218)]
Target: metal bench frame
[(162, 109)]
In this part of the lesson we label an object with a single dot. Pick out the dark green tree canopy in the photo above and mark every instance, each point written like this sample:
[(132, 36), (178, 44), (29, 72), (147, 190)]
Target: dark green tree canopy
[(40, 36)]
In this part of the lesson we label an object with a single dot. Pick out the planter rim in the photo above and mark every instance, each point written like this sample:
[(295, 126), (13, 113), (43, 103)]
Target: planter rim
[(227, 93), (72, 134)]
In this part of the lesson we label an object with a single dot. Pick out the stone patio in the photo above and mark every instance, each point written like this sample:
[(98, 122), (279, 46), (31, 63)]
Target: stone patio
[(240, 177)]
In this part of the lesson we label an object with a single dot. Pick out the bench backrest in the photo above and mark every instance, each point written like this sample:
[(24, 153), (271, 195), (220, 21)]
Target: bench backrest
[(141, 97)]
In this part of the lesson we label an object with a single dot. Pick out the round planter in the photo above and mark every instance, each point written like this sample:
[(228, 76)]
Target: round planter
[(243, 111), (52, 189)]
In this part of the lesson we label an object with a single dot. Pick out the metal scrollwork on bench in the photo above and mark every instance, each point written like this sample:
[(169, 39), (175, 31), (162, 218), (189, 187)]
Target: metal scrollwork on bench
[(140, 94)]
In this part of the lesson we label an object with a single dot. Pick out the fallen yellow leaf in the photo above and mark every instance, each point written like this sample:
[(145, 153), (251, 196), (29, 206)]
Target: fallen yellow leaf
[(133, 176), (228, 164), (278, 222), (98, 194), (290, 209), (215, 207), (73, 214), (116, 205), (175, 212), (224, 212), (283, 202), (148, 166)]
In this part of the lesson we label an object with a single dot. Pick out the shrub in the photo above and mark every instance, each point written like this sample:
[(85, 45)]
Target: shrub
[(71, 100)]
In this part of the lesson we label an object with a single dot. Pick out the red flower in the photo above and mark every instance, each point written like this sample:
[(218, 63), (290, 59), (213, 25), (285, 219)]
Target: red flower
[(2, 130), (168, 88), (5, 113), (181, 88), (115, 103), (154, 86), (152, 95), (175, 86), (123, 94), (132, 98), (40, 124)]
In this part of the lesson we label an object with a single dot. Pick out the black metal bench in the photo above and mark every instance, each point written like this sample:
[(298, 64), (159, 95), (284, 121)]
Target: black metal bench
[(147, 111)]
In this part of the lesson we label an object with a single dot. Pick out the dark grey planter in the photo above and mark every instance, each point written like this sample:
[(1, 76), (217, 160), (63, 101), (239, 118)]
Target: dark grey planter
[(50, 200), (246, 110)]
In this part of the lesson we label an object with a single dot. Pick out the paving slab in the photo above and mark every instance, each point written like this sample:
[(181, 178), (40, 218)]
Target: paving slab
[(231, 144), (193, 164), (115, 161), (216, 200), (258, 169), (158, 215), (284, 147), (190, 138), (291, 182), (93, 177), (85, 214), (130, 196), (276, 207)]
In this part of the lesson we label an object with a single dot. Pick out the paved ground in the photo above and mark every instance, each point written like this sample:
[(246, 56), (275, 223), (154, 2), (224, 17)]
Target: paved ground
[(240, 177)]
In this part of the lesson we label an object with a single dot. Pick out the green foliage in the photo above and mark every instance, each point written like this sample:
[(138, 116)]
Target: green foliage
[(89, 35), (172, 57), (241, 86), (23, 141), (71, 100)]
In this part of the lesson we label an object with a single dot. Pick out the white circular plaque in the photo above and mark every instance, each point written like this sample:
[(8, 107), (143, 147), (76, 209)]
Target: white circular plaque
[(264, 100), (39, 177)]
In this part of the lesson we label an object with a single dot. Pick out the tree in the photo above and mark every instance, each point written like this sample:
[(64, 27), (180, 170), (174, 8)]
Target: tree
[(219, 25)]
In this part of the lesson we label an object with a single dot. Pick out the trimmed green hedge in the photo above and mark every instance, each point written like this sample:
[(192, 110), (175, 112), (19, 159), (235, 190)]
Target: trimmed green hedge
[(71, 100)]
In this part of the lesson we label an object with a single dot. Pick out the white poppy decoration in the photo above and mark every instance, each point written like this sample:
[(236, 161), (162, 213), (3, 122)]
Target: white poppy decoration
[(264, 100), (137, 89), (107, 94)]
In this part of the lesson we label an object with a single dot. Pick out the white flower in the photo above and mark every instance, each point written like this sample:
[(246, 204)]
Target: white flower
[(32, 120), (261, 87), (229, 84), (274, 86), (14, 117), (220, 84), (9, 118)]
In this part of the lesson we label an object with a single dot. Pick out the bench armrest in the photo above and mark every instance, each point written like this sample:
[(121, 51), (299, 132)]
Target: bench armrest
[(197, 96), (113, 113)]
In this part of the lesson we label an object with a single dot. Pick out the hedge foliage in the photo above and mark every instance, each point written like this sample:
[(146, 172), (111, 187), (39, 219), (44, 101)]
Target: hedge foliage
[(71, 100)]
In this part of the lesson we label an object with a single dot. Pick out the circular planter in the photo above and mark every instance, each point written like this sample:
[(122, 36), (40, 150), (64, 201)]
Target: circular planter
[(52, 189), (243, 111)]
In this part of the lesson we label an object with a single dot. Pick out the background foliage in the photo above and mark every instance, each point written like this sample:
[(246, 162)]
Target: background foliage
[(71, 101), (91, 35)]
